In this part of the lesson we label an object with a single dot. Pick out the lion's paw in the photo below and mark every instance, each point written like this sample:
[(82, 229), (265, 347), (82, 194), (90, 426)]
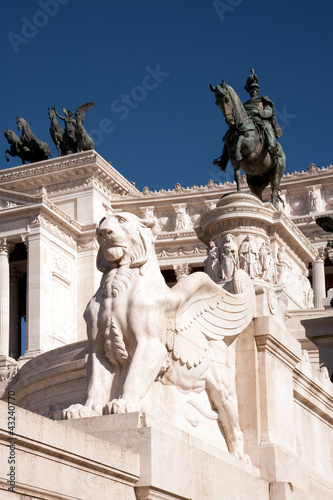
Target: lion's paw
[(118, 406), (242, 456), (78, 411)]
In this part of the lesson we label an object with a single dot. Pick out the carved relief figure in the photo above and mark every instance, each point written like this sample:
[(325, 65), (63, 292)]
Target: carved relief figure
[(147, 212), (212, 263), (180, 218), (140, 330), (229, 257), (308, 294), (284, 264), (267, 263), (314, 200), (248, 257)]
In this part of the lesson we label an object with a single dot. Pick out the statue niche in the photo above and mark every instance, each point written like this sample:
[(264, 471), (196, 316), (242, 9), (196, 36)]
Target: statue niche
[(142, 332)]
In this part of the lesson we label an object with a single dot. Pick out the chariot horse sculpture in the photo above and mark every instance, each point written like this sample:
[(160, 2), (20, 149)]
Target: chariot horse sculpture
[(16, 147), (64, 143), (39, 150), (250, 144)]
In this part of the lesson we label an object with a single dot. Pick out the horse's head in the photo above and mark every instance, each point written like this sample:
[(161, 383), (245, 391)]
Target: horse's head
[(224, 95), (19, 122), (10, 136), (51, 113)]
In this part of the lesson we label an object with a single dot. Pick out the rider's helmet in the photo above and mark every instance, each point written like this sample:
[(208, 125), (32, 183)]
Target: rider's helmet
[(251, 82)]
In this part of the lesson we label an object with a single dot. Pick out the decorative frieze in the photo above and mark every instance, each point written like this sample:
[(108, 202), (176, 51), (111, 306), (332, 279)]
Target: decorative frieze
[(52, 228), (180, 251)]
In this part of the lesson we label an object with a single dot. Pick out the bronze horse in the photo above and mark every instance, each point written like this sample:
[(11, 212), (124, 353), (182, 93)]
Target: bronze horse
[(16, 147), (244, 135), (64, 143), (39, 149)]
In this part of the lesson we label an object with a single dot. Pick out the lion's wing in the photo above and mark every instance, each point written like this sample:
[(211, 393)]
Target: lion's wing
[(214, 314)]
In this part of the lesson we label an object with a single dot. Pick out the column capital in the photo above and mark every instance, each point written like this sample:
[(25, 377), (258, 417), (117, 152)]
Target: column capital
[(321, 255), (6, 247), (25, 241), (182, 270)]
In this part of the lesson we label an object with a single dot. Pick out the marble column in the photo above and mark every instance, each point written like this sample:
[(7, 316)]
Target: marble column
[(14, 328), (39, 321), (5, 249), (318, 281)]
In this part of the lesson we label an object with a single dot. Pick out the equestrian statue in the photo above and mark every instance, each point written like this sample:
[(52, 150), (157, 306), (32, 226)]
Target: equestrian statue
[(251, 141)]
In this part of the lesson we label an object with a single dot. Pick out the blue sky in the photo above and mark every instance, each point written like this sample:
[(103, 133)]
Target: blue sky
[(148, 64)]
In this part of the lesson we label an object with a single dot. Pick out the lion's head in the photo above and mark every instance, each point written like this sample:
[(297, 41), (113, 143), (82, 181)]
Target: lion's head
[(125, 240)]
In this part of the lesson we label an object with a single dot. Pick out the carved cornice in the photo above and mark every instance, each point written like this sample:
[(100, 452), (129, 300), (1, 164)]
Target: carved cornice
[(313, 390), (178, 190), (62, 170), (40, 220), (270, 344), (56, 210), (54, 165)]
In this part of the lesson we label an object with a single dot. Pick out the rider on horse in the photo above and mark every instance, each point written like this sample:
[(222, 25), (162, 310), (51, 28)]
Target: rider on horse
[(261, 111)]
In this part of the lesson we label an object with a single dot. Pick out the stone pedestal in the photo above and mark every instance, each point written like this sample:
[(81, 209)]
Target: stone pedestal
[(173, 464), (270, 247)]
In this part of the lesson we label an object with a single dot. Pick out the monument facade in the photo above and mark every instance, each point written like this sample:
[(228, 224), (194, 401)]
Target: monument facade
[(257, 426)]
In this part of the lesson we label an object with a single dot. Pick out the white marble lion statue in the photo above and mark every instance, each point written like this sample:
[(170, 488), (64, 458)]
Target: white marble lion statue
[(140, 330)]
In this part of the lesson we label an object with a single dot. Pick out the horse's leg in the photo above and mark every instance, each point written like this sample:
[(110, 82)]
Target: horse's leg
[(276, 175), (58, 148), (257, 184), (237, 177), (238, 153), (6, 154)]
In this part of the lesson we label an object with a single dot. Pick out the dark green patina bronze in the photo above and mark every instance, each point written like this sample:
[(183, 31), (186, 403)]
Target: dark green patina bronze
[(251, 141)]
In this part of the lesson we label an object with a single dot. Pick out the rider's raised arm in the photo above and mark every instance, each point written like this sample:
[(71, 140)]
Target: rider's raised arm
[(59, 116)]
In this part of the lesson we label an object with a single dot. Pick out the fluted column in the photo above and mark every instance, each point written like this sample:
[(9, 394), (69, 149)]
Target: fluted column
[(14, 327), (318, 281), (5, 249)]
